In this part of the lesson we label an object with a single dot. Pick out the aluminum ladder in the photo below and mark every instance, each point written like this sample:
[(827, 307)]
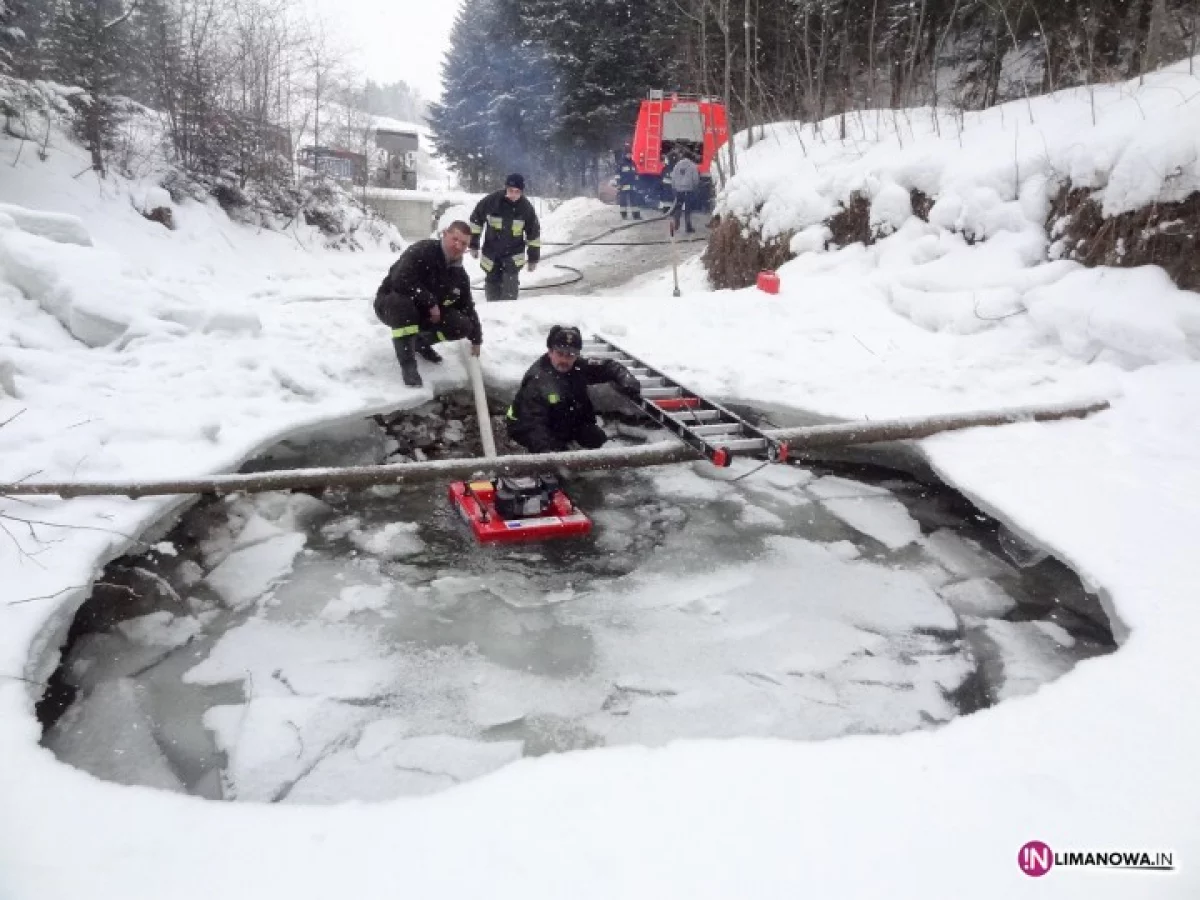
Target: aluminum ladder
[(700, 423)]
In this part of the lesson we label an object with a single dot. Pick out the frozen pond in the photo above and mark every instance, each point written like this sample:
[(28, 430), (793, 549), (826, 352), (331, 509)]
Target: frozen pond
[(296, 648)]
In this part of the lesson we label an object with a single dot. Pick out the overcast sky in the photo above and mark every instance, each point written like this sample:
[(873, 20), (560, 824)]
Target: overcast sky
[(395, 40)]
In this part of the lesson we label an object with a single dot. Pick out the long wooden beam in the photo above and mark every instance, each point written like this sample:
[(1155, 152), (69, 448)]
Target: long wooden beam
[(660, 453)]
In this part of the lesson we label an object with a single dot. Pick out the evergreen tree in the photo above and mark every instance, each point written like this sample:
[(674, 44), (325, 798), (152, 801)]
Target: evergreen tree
[(497, 109)]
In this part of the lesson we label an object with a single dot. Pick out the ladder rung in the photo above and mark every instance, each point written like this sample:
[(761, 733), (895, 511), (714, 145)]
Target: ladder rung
[(651, 381), (656, 393), (695, 415), (704, 430), (740, 445)]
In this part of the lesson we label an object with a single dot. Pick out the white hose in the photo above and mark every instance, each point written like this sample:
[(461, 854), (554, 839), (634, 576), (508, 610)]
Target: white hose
[(481, 407)]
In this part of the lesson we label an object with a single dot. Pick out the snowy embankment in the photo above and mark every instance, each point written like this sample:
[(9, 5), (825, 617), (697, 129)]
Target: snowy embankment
[(222, 340)]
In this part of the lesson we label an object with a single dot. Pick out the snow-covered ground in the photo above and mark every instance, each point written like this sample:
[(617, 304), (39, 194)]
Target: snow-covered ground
[(149, 353)]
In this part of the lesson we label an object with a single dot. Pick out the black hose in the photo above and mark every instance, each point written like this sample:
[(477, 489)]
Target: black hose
[(578, 277)]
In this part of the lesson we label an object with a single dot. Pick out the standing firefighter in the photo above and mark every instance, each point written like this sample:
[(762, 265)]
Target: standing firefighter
[(686, 179), (627, 176), (426, 298), (513, 235), (552, 407)]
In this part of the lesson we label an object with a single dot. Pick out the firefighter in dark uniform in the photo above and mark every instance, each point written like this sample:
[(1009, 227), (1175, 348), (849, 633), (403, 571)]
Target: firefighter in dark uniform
[(514, 236), (552, 407), (426, 298), (666, 198), (627, 177)]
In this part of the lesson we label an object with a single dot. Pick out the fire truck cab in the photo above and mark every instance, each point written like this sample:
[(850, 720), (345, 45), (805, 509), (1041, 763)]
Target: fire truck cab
[(674, 122)]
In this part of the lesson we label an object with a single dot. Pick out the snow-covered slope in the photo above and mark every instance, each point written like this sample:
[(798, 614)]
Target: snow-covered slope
[(231, 338)]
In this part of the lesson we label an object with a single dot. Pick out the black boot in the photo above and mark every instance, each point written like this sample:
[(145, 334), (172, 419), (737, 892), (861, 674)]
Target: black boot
[(491, 292), (624, 215), (406, 352), (425, 348)]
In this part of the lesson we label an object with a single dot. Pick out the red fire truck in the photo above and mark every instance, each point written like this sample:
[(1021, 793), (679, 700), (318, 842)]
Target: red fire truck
[(674, 121)]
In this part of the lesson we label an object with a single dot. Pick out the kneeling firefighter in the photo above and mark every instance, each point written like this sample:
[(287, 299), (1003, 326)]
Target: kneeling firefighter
[(552, 407), (426, 298)]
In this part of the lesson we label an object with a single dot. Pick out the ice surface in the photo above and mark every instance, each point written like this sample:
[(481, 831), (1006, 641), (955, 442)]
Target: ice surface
[(358, 598), (270, 742), (105, 656), (248, 573), (1029, 656), (964, 557), (281, 658), (409, 766), (978, 597), (870, 510), (160, 629), (392, 541), (110, 735)]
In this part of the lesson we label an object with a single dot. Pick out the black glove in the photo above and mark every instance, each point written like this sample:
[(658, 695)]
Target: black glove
[(630, 387)]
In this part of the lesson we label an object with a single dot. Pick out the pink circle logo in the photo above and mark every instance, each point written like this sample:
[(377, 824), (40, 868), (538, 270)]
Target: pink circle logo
[(1035, 859)]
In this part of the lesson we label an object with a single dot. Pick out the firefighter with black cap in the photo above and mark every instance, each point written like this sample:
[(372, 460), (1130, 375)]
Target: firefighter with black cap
[(513, 238), (552, 407)]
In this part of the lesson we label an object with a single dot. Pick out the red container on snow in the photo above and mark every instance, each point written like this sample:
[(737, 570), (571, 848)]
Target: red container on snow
[(768, 281)]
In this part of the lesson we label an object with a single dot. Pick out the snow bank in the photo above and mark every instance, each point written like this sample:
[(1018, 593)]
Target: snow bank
[(989, 171)]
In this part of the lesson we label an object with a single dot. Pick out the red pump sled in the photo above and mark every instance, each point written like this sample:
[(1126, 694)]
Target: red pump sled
[(508, 510), (535, 508)]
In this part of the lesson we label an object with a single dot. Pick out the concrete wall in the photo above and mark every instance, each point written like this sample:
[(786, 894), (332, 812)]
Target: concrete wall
[(412, 215)]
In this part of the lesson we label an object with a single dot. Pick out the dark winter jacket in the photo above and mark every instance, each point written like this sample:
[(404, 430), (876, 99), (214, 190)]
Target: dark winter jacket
[(424, 276), (511, 228), (627, 172), (551, 405)]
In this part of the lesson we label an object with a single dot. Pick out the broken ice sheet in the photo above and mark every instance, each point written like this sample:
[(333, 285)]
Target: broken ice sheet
[(280, 658), (248, 573), (870, 510), (359, 598), (978, 597), (391, 541), (160, 629), (409, 766), (111, 735), (271, 741)]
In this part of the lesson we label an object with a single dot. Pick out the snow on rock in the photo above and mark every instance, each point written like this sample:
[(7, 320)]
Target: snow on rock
[(249, 572), (110, 734), (1094, 311), (957, 312), (871, 510), (891, 207), (58, 227)]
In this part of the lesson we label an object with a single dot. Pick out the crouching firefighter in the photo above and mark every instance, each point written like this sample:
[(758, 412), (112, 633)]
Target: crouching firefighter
[(552, 407), (426, 298), (513, 238)]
